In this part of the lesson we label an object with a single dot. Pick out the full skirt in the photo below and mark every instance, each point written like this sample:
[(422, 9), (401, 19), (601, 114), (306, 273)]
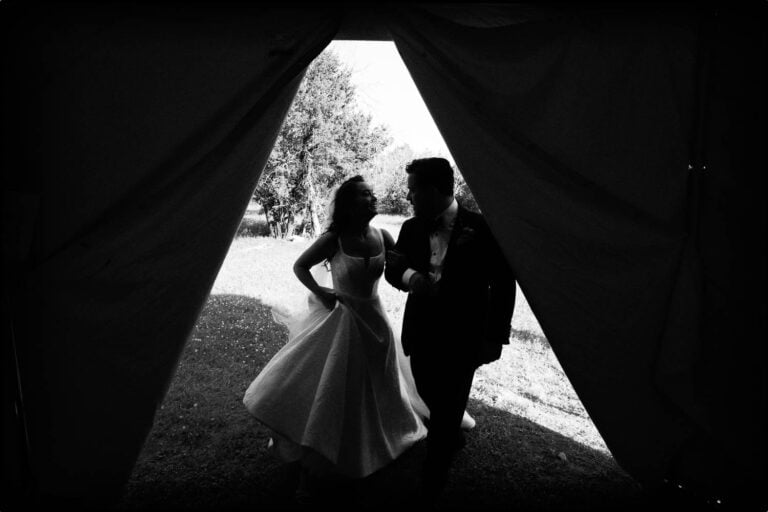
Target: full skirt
[(337, 390)]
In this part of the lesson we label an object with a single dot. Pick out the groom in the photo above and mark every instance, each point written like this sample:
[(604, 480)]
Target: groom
[(461, 294)]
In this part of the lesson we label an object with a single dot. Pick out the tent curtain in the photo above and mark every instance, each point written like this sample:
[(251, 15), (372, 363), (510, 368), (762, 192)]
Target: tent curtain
[(137, 135), (574, 131)]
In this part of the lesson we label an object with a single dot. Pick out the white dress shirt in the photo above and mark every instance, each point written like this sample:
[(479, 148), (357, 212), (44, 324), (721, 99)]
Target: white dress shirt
[(438, 244)]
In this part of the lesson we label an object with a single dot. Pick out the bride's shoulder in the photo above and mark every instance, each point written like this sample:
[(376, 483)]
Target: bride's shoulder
[(328, 236), (327, 243)]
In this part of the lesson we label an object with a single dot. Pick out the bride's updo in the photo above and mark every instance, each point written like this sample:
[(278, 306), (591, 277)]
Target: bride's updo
[(342, 208)]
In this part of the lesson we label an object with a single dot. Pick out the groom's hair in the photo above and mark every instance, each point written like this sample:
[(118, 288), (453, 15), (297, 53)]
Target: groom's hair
[(433, 171)]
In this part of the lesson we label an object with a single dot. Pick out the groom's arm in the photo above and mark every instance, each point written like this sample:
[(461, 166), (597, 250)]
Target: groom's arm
[(399, 271), (394, 271), (501, 302)]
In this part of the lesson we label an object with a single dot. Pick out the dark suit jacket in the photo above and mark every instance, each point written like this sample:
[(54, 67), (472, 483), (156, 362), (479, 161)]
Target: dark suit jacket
[(476, 293)]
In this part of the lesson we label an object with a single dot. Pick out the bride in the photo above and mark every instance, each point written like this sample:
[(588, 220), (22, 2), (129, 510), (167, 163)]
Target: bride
[(339, 396)]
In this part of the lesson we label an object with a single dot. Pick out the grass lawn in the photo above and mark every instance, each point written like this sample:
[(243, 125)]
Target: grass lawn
[(534, 447)]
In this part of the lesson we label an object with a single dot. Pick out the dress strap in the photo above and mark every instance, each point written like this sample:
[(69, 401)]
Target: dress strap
[(381, 239), (338, 248)]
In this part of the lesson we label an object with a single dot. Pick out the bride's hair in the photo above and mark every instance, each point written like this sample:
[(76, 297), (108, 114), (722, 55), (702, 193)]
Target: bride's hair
[(342, 213)]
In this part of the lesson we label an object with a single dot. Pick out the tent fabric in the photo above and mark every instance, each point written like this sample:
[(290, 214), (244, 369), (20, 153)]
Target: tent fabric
[(136, 135), (730, 226), (575, 132), (141, 143)]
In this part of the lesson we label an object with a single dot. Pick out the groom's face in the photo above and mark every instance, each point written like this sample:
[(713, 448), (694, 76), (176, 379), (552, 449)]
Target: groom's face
[(421, 197)]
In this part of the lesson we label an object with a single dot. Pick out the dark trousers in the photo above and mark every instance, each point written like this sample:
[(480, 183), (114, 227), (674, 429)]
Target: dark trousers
[(444, 381)]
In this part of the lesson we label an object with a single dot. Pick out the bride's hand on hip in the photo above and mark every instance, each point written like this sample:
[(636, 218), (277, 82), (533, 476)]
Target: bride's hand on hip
[(328, 297)]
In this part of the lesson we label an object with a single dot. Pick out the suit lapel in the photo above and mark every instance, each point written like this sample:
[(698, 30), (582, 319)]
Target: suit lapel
[(458, 224)]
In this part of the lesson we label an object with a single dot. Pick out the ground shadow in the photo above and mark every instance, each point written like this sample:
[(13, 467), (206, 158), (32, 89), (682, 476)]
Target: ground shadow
[(512, 462), (206, 452)]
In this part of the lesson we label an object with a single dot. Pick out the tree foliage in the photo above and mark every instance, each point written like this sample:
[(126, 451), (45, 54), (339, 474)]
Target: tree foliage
[(463, 194), (324, 139), (389, 180)]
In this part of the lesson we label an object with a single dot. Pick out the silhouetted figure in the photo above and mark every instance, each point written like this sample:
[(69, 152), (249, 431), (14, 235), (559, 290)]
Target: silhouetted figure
[(334, 395), (459, 308)]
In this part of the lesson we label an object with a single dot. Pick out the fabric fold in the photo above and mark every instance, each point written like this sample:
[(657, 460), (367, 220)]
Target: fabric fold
[(571, 130), (152, 127)]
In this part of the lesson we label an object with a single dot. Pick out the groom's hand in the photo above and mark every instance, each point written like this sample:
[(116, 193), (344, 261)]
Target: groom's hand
[(422, 286), (398, 260)]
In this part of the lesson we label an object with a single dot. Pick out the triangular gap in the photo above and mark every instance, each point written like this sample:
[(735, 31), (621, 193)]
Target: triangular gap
[(236, 335), (528, 380)]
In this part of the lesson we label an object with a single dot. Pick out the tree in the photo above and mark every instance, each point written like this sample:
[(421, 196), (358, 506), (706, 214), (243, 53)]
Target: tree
[(325, 139), (389, 181), (463, 193)]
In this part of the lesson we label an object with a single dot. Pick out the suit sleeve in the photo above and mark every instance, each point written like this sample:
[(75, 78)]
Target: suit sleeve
[(501, 295), (394, 275)]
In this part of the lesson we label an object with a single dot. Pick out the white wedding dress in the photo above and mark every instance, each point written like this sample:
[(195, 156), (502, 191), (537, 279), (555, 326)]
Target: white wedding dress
[(341, 387)]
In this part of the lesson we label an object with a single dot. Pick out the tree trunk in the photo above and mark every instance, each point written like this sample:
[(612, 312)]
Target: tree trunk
[(316, 227), (312, 203), (268, 219)]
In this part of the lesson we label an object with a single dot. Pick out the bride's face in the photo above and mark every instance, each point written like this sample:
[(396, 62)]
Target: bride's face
[(365, 201)]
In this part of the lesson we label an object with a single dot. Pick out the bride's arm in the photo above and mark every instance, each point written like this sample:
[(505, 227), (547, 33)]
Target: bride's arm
[(323, 248), (389, 242)]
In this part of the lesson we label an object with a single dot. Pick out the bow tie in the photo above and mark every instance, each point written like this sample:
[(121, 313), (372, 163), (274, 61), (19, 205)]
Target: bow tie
[(436, 225)]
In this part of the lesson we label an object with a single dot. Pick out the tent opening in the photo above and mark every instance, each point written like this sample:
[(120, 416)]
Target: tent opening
[(528, 414)]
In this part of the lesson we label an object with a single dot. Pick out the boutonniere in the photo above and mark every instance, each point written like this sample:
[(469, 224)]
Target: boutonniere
[(465, 235)]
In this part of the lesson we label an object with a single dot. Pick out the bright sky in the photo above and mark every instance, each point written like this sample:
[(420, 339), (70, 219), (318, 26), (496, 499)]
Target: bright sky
[(386, 90)]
